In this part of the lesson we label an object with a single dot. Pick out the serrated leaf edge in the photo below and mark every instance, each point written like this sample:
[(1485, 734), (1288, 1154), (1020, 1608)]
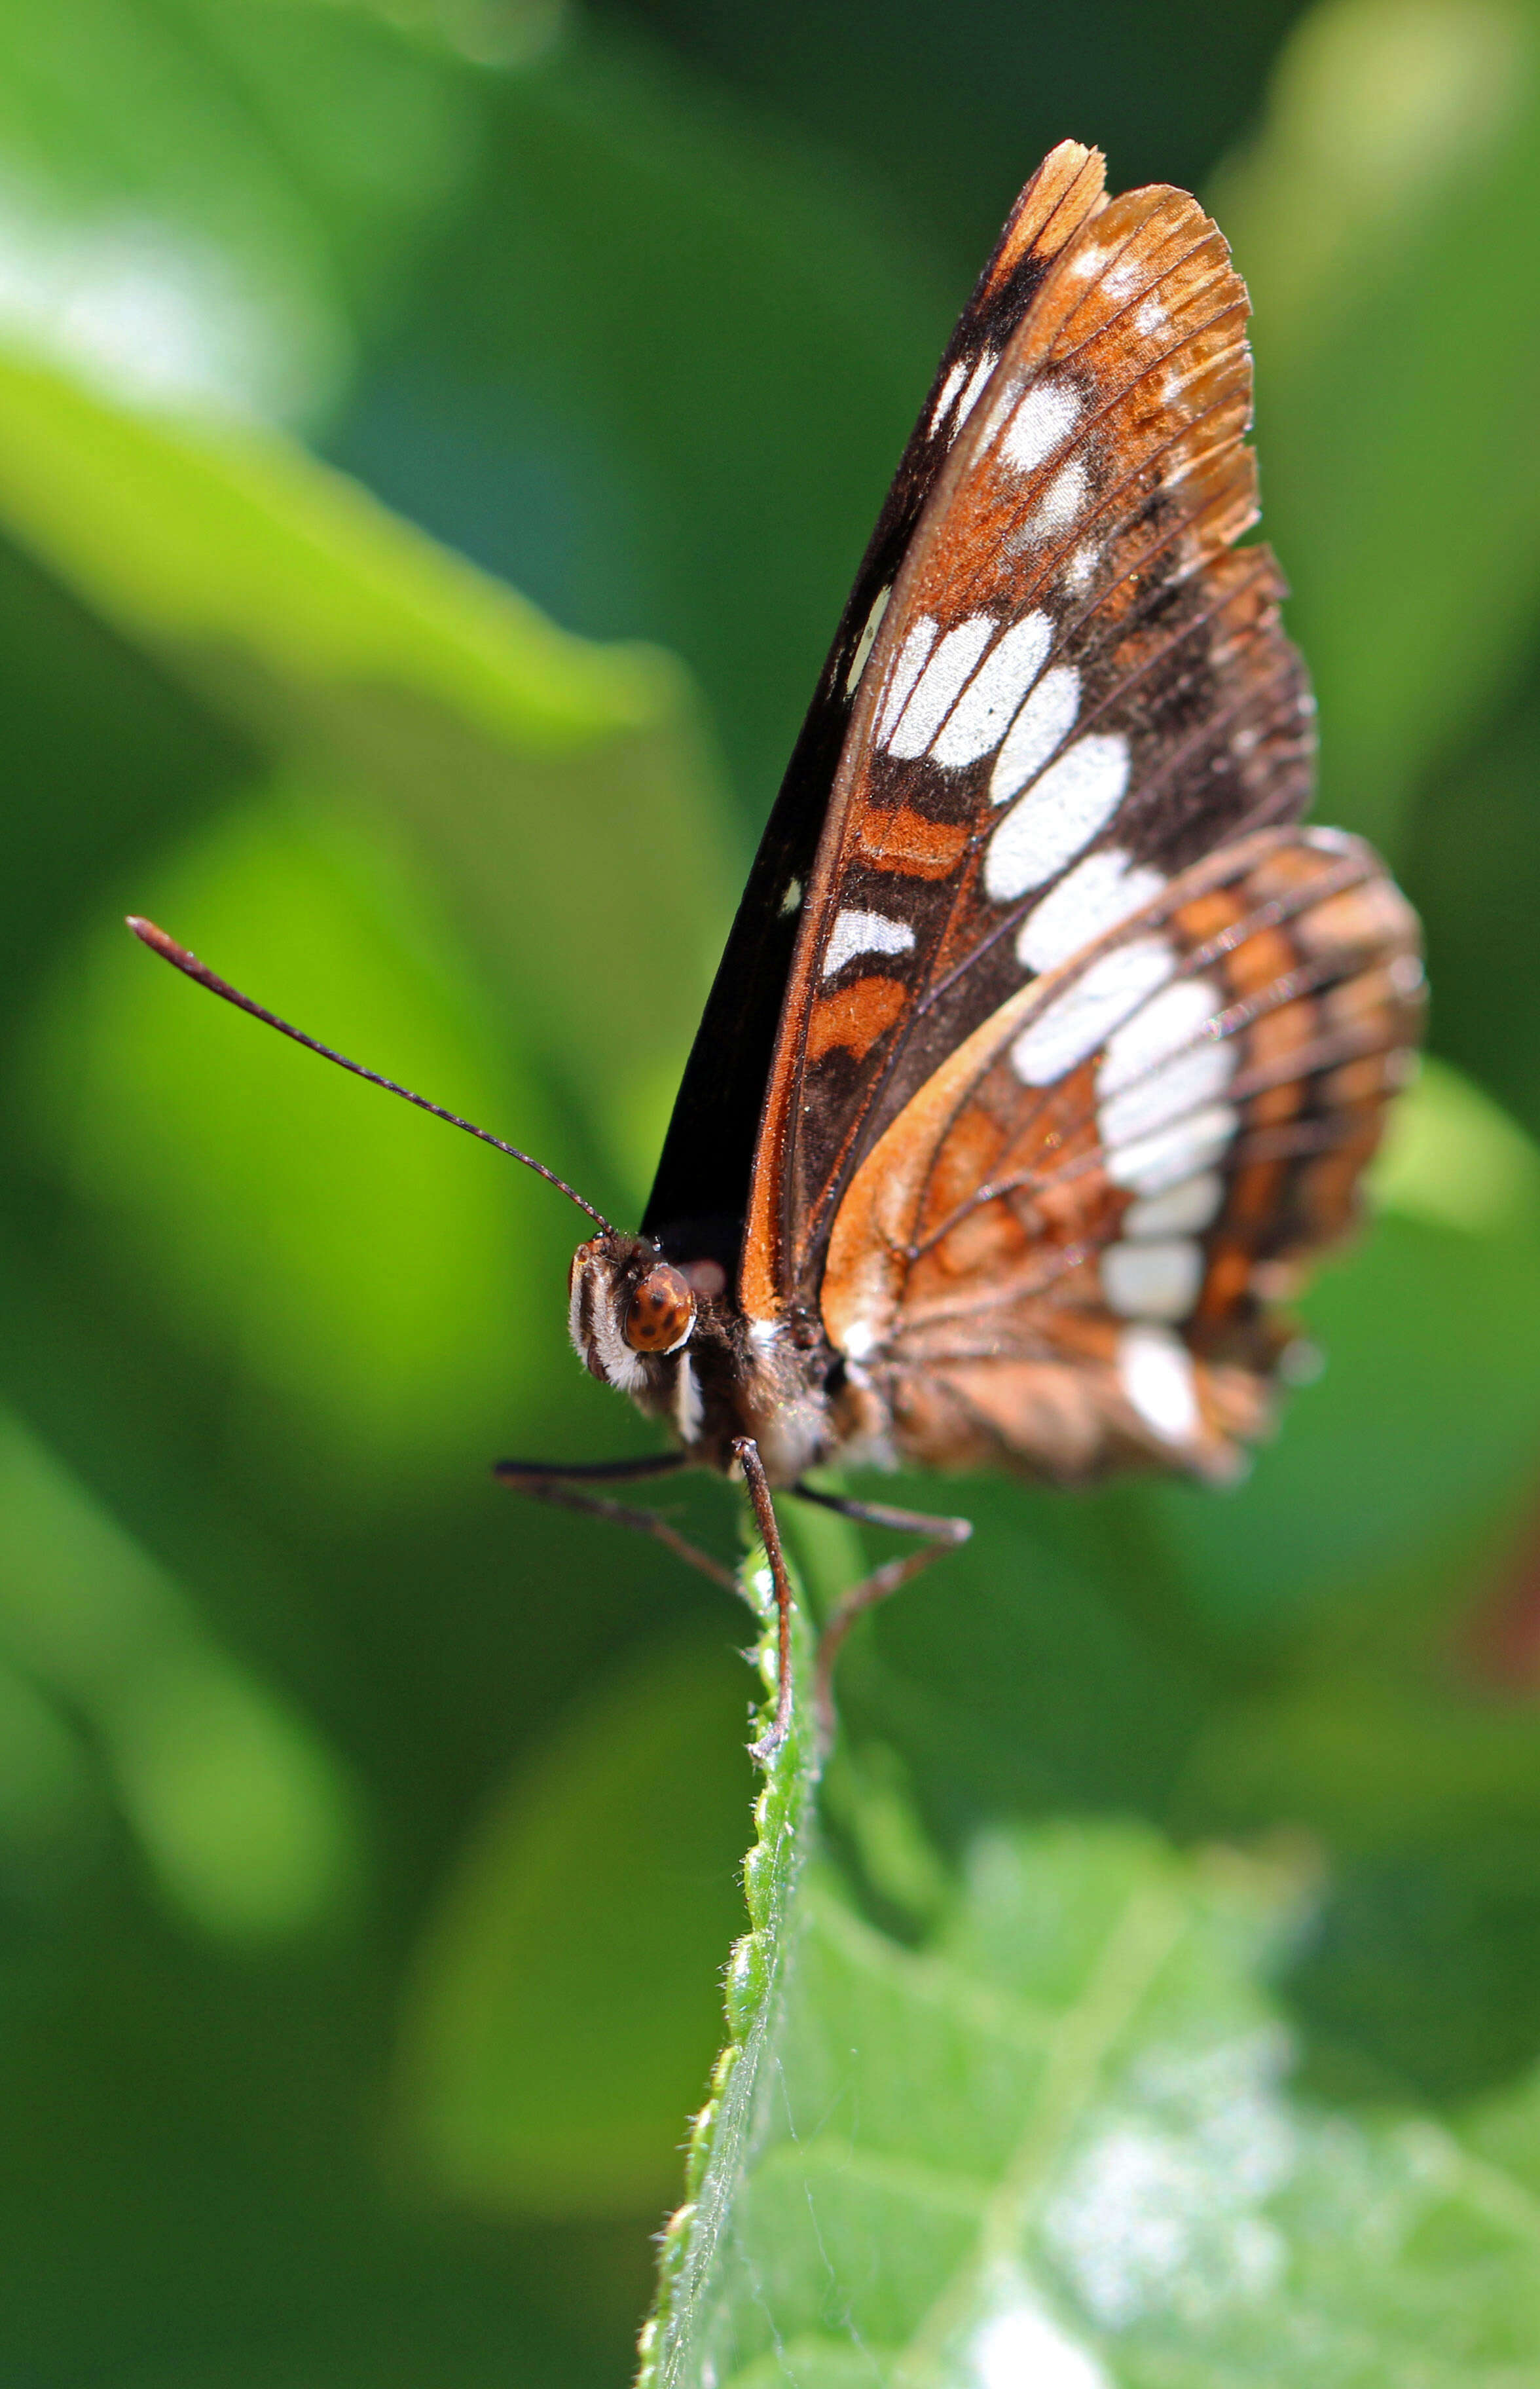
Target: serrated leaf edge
[(717, 2151)]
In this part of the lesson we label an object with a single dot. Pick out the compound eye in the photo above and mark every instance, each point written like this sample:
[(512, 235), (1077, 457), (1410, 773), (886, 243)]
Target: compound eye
[(661, 1312)]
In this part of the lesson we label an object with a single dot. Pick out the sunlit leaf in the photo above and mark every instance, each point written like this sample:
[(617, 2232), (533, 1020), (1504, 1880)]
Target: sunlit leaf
[(1453, 1157), (1421, 1429), (1384, 220), (678, 398), (324, 1246), (543, 778), (687, 2320), (1059, 2143), (199, 203), (244, 1816)]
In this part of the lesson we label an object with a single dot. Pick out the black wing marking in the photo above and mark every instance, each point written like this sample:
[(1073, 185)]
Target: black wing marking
[(700, 1197)]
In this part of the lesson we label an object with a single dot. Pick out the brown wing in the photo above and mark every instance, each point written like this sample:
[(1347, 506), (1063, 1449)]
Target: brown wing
[(1075, 690), (700, 1199), (1064, 1250)]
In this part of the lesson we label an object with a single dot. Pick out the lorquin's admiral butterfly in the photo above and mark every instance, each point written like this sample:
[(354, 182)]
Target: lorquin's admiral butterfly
[(1045, 1046)]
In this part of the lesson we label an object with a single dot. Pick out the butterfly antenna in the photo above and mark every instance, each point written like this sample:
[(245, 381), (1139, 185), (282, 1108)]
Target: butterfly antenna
[(157, 940)]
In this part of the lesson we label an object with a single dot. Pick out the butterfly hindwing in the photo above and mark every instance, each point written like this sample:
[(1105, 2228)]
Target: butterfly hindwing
[(1077, 688), (1065, 1248)]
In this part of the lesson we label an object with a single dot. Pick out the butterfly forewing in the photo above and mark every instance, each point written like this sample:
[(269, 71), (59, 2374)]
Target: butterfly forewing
[(702, 1190), (1065, 1249), (1076, 689)]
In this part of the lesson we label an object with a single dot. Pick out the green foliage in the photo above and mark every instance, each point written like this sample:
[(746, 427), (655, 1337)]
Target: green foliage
[(244, 1816), (1384, 220), (1109, 2176), (695, 2287), (569, 1983), (1147, 1995), (211, 201)]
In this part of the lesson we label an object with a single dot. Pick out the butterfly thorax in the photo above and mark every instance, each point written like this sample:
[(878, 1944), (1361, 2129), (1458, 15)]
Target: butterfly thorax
[(676, 1339)]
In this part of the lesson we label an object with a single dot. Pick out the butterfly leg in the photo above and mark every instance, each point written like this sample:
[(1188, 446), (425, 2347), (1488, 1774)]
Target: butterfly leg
[(746, 1452), (559, 1481), (941, 1535)]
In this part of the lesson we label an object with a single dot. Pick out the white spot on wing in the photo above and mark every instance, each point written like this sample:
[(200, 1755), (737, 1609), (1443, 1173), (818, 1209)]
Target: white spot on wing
[(1157, 1375), (1182, 1210), (1126, 275), (1047, 415), (1043, 723), (937, 686), (1078, 571), (864, 933), (1059, 503), (1088, 900), (1075, 1022), (868, 639), (1060, 813), (1152, 1164), (1149, 317), (905, 671), (982, 712), (949, 390), (1153, 1073), (975, 390), (1152, 1281), (792, 900)]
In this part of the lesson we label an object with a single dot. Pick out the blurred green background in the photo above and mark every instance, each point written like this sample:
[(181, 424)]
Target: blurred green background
[(367, 1840)]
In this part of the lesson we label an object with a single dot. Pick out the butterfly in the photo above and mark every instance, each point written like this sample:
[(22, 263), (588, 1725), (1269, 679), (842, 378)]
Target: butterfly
[(1047, 1046)]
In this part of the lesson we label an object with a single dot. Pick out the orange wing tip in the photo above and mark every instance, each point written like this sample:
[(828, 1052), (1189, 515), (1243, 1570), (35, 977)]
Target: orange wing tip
[(1068, 187)]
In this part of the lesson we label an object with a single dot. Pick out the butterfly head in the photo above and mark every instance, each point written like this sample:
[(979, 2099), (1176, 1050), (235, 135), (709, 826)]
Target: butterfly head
[(629, 1309)]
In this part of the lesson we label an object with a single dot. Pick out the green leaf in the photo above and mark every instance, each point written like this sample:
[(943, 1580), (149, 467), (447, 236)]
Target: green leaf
[(531, 769), (1100, 2116), (1453, 1157), (1059, 2143), (1472, 860), (246, 1817), (205, 203), (1383, 222), (564, 2010), (1416, 1439), (341, 1264), (694, 2278), (681, 285)]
